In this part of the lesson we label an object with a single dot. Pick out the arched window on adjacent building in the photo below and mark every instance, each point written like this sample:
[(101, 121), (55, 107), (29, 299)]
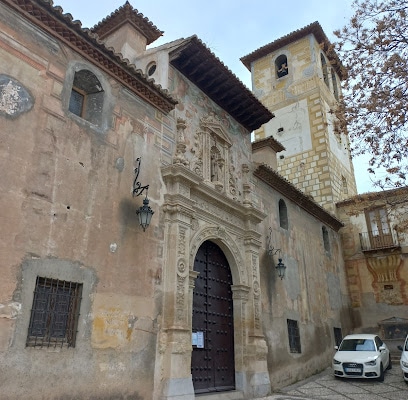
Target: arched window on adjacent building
[(335, 87), (326, 241), (325, 70), (281, 66), (87, 97), (283, 215)]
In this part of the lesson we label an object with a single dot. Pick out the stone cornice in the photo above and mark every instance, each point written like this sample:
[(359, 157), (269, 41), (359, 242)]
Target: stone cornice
[(177, 173)]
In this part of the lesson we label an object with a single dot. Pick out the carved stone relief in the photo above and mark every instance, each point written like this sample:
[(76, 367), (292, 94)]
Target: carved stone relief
[(179, 157), (257, 292), (387, 287), (15, 99), (212, 232), (212, 157), (182, 282)]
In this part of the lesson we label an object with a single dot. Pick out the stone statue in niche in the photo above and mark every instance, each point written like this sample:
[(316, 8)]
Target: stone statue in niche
[(216, 165)]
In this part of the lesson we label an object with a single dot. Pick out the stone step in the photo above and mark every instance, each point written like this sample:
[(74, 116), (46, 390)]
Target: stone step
[(232, 395)]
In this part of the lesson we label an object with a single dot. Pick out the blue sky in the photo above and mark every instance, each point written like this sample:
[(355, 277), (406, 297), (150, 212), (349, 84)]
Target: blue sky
[(230, 28)]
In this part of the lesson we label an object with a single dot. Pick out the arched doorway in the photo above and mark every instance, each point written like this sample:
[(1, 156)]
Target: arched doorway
[(212, 362)]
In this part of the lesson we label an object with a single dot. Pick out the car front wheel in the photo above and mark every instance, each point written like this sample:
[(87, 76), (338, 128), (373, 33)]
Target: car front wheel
[(381, 377), (389, 363)]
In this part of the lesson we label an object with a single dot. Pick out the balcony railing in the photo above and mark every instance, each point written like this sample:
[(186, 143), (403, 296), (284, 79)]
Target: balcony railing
[(375, 241)]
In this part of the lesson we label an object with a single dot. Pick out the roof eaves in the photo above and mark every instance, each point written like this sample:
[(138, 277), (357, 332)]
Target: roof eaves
[(283, 186), (123, 14), (249, 111), (313, 28), (373, 196), (268, 142), (62, 26)]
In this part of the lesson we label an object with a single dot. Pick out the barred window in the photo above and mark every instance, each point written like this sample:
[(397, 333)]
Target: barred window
[(294, 336), (283, 214), (54, 314)]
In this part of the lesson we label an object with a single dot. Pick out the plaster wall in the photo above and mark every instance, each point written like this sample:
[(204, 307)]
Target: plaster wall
[(127, 41), (376, 279), (71, 216), (313, 292)]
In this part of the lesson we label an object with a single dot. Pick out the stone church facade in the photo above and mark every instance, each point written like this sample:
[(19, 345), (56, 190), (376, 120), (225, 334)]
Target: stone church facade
[(92, 305)]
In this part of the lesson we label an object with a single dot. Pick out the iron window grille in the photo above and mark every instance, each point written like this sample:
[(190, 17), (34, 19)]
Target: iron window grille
[(55, 313), (294, 336)]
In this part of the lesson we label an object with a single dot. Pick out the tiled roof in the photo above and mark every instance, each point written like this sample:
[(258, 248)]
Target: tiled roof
[(62, 26), (194, 60), (281, 185), (127, 14), (385, 195), (314, 29), (269, 141)]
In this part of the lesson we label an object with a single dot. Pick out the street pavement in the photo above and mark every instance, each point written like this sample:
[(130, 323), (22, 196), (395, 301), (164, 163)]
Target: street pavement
[(325, 386)]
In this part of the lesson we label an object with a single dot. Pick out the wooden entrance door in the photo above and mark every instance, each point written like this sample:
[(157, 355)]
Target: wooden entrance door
[(212, 363)]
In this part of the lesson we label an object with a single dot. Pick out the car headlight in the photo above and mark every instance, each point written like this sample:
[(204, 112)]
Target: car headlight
[(371, 363), (336, 361), (404, 364)]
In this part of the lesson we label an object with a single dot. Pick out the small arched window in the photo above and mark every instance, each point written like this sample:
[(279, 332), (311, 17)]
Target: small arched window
[(281, 66), (335, 87), (326, 241), (325, 70), (87, 97), (283, 215)]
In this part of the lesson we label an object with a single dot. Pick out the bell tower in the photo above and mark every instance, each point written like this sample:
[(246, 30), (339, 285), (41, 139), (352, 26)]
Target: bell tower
[(297, 79)]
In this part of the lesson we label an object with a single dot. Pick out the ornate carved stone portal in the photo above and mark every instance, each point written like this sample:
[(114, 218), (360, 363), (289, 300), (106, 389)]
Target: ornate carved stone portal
[(199, 206)]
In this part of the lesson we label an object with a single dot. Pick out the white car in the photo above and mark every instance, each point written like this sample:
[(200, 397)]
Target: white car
[(404, 360), (361, 356)]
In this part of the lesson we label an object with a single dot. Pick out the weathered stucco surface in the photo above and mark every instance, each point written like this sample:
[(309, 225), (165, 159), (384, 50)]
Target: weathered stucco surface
[(67, 188)]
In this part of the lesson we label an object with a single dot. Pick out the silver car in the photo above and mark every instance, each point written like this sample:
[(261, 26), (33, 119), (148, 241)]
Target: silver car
[(361, 356)]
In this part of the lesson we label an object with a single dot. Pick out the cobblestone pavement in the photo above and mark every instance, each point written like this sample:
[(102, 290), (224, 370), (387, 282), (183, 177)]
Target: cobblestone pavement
[(325, 386)]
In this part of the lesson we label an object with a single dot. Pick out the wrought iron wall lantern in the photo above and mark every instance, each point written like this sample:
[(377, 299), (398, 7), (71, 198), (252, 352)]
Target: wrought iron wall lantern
[(280, 267), (144, 212)]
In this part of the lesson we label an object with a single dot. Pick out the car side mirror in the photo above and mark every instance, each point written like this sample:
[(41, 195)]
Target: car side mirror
[(381, 348), (399, 347), (337, 347)]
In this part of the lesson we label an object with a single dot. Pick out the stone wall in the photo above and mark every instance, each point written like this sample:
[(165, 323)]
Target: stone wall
[(69, 215)]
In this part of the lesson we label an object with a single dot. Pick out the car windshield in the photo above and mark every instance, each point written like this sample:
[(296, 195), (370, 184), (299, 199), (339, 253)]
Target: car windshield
[(357, 345)]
